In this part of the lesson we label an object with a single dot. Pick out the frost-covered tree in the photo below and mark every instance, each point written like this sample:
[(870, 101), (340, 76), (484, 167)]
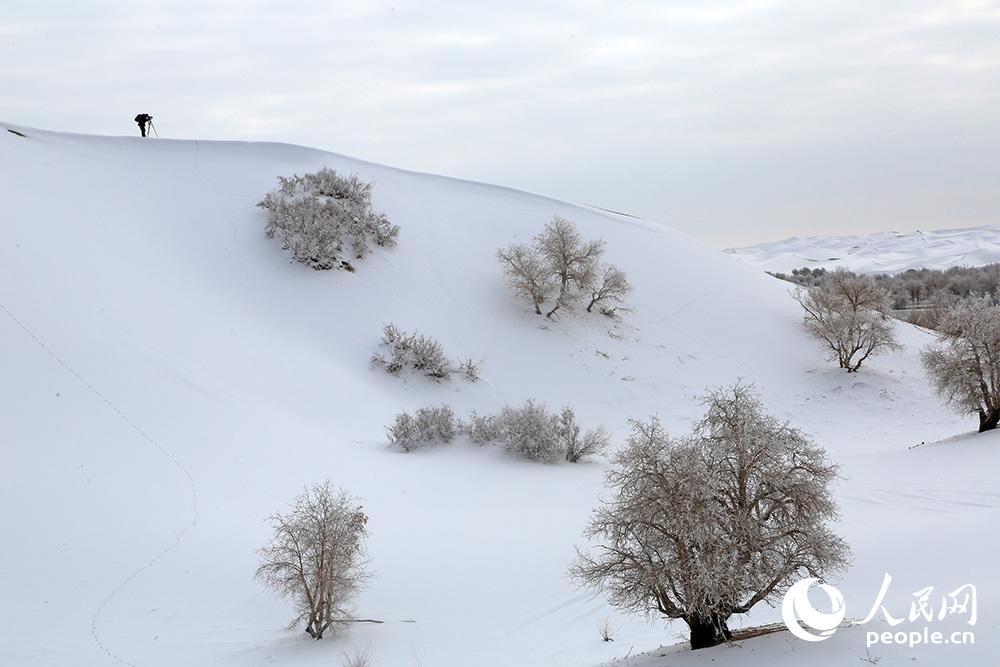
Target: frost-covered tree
[(561, 263), (527, 273), (611, 288), (964, 364), (323, 217), (706, 526), (850, 314), (572, 261), (316, 557)]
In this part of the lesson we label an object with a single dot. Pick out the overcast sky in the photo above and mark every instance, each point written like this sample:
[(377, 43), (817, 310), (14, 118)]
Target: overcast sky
[(734, 122)]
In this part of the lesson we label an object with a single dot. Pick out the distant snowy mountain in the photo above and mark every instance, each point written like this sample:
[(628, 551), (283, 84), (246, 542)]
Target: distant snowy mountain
[(884, 252), (170, 378)]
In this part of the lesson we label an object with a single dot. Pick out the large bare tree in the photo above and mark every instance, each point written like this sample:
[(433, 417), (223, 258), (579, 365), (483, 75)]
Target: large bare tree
[(572, 260), (964, 365), (706, 526), (317, 557), (850, 314)]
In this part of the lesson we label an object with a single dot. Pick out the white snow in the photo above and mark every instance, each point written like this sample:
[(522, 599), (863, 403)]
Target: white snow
[(164, 363), (884, 252)]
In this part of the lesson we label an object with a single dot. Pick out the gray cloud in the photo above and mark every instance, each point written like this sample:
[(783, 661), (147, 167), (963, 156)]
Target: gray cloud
[(733, 121)]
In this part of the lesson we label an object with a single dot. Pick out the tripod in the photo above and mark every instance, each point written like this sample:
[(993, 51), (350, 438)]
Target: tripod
[(153, 128)]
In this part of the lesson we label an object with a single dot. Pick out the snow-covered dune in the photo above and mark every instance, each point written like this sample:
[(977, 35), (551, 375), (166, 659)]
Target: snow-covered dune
[(884, 252), (171, 378)]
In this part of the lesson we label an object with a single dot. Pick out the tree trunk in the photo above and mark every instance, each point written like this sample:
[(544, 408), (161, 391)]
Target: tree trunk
[(988, 420), (707, 631)]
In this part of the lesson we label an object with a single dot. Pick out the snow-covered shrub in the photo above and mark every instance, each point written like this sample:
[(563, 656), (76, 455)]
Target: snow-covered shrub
[(420, 353), (430, 425), (436, 424), (427, 356), (529, 431), (706, 526), (532, 432), (561, 263), (850, 315), (964, 364), (316, 557), (483, 429), (323, 217), (469, 368), (403, 433)]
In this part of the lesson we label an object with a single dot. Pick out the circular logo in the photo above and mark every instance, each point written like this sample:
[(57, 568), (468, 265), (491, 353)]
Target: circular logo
[(796, 608)]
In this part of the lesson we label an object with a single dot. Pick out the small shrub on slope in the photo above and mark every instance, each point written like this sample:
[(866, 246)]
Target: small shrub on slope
[(529, 431), (430, 425), (420, 353)]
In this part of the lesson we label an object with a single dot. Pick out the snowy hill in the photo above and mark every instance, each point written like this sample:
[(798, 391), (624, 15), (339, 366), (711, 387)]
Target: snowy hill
[(170, 379), (884, 252)]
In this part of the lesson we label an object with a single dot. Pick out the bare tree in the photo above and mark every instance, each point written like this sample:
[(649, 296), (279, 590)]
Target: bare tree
[(560, 262), (316, 557), (612, 287), (964, 364), (527, 273), (850, 314), (572, 260), (577, 442), (706, 526)]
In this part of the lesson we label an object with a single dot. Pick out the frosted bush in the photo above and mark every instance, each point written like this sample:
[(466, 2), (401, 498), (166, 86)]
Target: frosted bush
[(483, 429), (469, 369), (430, 425), (436, 424), (534, 433), (420, 353), (530, 431), (323, 217), (403, 431)]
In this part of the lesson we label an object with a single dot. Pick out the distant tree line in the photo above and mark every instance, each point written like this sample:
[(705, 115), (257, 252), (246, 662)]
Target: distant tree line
[(917, 288)]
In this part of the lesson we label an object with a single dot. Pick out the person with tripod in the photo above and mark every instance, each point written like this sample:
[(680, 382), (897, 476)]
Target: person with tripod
[(144, 119)]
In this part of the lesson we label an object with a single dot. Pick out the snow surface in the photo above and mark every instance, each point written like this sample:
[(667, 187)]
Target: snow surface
[(170, 379), (884, 252)]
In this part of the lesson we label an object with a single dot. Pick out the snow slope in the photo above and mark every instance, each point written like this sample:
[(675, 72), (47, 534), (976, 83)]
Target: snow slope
[(884, 252), (170, 379)]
